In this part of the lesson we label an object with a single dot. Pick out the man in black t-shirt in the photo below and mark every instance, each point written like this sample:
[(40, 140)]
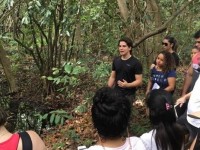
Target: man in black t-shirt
[(126, 73)]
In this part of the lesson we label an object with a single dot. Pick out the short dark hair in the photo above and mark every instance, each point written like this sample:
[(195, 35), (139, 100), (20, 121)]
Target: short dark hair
[(197, 35), (195, 47), (128, 41), (3, 116), (110, 113)]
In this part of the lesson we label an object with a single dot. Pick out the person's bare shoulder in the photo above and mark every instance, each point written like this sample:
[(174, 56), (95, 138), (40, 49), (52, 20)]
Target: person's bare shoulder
[(38, 143)]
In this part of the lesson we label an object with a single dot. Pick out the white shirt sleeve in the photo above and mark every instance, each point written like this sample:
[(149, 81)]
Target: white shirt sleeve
[(149, 140)]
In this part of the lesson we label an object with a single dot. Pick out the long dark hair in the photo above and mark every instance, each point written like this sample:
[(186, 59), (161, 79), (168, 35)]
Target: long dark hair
[(169, 61), (169, 134), (173, 41)]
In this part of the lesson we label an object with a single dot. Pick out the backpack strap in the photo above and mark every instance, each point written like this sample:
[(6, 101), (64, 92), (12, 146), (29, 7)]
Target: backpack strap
[(26, 141)]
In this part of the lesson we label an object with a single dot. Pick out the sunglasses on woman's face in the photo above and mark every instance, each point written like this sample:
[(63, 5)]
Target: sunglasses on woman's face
[(165, 44)]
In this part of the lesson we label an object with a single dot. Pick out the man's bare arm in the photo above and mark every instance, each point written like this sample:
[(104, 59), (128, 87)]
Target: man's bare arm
[(111, 80), (187, 81)]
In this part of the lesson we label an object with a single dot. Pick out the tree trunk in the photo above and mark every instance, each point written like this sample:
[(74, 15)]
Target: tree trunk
[(155, 45), (7, 69), (123, 9)]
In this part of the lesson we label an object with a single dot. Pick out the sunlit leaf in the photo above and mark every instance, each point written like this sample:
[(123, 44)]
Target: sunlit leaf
[(45, 116), (57, 119), (50, 78), (62, 121), (52, 118), (68, 68)]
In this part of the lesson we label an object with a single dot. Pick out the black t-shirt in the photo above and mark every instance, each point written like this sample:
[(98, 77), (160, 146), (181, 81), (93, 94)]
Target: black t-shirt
[(126, 69), (176, 58)]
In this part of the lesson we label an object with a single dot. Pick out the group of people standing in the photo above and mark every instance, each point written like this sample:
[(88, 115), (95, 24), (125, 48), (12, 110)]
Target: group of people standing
[(126, 73), (111, 107)]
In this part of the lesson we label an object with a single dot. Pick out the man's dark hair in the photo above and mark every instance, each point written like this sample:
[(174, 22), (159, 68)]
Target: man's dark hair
[(128, 41), (110, 113), (197, 35)]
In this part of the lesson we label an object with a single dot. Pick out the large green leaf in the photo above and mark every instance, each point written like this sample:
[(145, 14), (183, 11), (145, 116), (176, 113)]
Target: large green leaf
[(45, 116), (52, 118), (68, 68), (57, 119)]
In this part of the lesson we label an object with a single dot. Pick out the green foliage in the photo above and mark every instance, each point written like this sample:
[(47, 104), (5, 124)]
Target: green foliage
[(59, 145), (71, 134), (68, 76), (81, 108), (101, 72), (27, 118), (7, 3), (87, 142), (4, 102), (55, 117), (58, 116)]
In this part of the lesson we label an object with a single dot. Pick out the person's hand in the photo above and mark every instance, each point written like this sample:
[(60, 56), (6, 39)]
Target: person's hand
[(122, 84), (181, 101), (152, 65)]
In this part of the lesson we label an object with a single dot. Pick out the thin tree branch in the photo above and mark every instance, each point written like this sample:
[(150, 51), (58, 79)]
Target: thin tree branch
[(40, 28), (163, 27)]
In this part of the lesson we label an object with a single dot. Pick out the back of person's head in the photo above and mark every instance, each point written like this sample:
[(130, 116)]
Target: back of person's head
[(110, 113), (3, 116), (159, 103), (163, 119), (169, 61), (173, 41), (197, 34), (128, 41)]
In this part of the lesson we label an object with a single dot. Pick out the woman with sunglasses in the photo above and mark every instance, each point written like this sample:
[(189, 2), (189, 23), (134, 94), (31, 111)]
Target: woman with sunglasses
[(169, 44)]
